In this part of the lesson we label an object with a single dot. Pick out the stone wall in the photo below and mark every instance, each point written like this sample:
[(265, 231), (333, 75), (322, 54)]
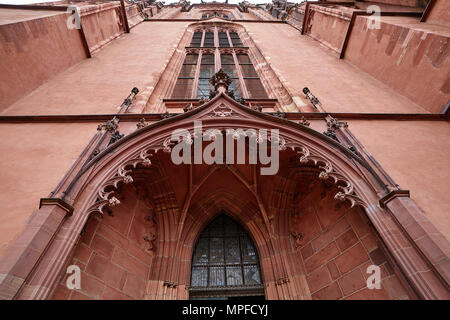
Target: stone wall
[(101, 24), (33, 51), (337, 248), (411, 59), (112, 254), (328, 26)]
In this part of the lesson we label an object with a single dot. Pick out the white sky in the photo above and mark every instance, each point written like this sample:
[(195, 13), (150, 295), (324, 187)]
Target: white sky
[(167, 1)]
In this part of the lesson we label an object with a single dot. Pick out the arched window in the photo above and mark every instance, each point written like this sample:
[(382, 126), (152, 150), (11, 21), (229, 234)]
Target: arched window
[(225, 262), (231, 56)]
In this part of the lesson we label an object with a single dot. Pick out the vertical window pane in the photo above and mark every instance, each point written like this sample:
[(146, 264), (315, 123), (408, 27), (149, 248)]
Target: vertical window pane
[(216, 251), (196, 39), (203, 88), (227, 59), (183, 88), (255, 89), (251, 275), (243, 59), (201, 252), (216, 277), (248, 71), (209, 39), (248, 251), (234, 276), (185, 81), (235, 88), (235, 40), (232, 251), (199, 277), (223, 39), (191, 59)]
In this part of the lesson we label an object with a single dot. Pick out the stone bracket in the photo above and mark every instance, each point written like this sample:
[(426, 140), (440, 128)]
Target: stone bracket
[(58, 202), (391, 195)]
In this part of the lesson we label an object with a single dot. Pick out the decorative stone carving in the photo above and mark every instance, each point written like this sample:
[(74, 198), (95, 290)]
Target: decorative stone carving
[(108, 126), (170, 284), (188, 107), (255, 106), (281, 281), (142, 123), (314, 101), (304, 122), (330, 133), (107, 198), (222, 111), (279, 114), (220, 78), (167, 115), (327, 172), (298, 236), (335, 124), (115, 137)]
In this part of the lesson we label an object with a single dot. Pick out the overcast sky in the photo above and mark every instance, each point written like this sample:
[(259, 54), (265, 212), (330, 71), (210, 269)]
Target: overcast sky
[(167, 1)]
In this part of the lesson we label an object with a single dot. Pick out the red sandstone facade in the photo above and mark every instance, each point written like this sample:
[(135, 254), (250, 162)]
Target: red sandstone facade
[(363, 173)]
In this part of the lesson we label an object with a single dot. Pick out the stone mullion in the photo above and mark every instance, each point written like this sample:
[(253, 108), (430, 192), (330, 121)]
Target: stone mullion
[(217, 62), (245, 94), (197, 75), (238, 69)]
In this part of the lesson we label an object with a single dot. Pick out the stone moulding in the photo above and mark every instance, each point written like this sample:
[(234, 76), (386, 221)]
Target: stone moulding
[(347, 193), (122, 175)]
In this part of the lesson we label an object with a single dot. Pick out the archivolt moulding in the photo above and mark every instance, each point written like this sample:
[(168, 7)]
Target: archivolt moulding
[(122, 174)]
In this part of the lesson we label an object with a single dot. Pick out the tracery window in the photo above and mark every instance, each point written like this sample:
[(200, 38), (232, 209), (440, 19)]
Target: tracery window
[(225, 260), (216, 48)]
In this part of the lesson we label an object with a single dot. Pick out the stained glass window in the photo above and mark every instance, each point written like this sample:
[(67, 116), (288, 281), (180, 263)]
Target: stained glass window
[(225, 256), (194, 76)]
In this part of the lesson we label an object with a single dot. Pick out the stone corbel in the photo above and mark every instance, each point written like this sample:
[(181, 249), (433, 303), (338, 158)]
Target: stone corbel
[(298, 236), (281, 281), (391, 195), (58, 202), (170, 284)]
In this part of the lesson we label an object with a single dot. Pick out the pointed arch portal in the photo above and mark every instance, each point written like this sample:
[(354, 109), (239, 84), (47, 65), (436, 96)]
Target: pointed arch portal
[(325, 203)]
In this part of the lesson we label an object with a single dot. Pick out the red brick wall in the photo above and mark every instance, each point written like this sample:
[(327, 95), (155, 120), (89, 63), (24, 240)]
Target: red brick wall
[(112, 255), (337, 248)]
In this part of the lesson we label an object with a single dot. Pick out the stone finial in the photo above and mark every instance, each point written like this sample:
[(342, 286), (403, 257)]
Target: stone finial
[(220, 81)]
